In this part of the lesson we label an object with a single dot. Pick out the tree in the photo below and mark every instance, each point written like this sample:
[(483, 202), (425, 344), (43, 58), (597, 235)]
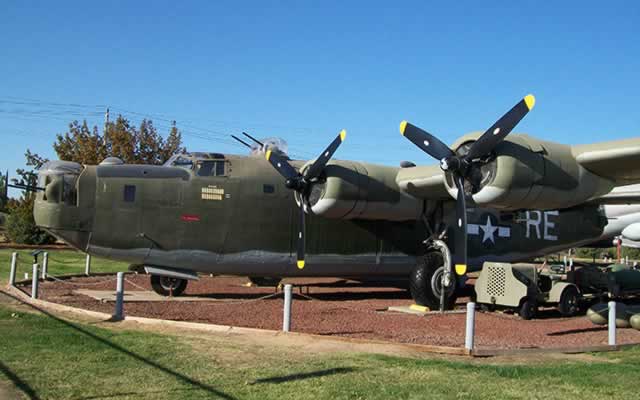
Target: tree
[(120, 139), (173, 144), (21, 227)]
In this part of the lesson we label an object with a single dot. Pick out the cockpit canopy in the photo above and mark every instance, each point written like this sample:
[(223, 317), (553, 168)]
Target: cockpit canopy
[(202, 164)]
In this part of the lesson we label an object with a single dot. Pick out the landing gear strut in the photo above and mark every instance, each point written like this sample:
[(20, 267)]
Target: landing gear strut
[(167, 286)]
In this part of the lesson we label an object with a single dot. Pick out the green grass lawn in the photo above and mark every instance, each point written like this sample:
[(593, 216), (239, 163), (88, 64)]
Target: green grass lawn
[(48, 358), (60, 262)]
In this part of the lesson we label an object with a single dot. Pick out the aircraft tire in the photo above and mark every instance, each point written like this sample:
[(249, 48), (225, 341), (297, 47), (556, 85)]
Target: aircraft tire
[(425, 280), (166, 286)]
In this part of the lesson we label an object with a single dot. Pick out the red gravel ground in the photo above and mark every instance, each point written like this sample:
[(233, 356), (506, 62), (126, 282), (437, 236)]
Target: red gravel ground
[(339, 308)]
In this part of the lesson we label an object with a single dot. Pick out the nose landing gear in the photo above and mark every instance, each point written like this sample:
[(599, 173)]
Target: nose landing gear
[(168, 286)]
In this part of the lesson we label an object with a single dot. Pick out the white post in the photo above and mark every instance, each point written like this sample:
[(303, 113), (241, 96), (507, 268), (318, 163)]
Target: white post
[(286, 323), (87, 265), (34, 282), (14, 265), (471, 323), (119, 311), (45, 265), (612, 323)]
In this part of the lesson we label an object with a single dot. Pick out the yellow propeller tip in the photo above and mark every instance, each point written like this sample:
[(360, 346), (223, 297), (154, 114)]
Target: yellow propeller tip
[(530, 101), (343, 135), (268, 154), (403, 126), (461, 269), (300, 264)]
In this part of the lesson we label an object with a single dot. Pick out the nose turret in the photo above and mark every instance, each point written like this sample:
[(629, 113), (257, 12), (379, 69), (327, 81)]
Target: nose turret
[(65, 207)]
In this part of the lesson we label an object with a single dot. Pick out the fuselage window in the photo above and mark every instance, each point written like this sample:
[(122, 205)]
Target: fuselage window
[(268, 188), (129, 193)]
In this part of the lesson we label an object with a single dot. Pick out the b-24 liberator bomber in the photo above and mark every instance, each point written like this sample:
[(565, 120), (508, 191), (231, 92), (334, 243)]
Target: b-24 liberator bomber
[(493, 196)]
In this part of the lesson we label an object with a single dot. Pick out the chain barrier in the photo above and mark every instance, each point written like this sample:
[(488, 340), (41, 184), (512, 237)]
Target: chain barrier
[(67, 262), (136, 285), (216, 302), (81, 284)]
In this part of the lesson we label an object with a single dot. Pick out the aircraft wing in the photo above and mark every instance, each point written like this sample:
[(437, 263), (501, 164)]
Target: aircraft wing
[(629, 194), (617, 160), (425, 182)]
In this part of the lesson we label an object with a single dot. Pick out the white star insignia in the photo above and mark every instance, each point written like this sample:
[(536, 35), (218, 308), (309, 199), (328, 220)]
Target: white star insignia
[(489, 231)]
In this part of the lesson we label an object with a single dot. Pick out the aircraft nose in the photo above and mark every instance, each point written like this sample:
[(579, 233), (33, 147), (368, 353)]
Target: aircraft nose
[(57, 208)]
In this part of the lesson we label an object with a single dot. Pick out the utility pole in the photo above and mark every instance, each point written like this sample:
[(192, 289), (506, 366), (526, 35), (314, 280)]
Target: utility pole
[(106, 124)]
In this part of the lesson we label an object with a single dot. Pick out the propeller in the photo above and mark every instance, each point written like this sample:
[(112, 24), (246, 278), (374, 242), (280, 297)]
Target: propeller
[(466, 167), (302, 182)]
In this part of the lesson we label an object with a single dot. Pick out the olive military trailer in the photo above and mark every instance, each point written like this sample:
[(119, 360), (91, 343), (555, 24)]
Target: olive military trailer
[(269, 216)]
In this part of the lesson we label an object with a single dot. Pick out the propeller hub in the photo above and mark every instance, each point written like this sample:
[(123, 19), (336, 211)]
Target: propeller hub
[(450, 164)]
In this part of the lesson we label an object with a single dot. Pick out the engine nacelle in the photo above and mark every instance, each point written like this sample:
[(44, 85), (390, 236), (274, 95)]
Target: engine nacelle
[(355, 190), (530, 173)]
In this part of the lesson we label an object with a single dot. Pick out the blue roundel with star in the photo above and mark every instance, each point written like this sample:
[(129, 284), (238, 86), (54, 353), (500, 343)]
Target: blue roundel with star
[(487, 230)]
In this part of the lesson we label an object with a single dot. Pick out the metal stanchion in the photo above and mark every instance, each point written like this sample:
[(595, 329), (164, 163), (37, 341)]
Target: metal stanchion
[(470, 328), (286, 323), (119, 311), (34, 282), (45, 265), (14, 265), (612, 323), (87, 265)]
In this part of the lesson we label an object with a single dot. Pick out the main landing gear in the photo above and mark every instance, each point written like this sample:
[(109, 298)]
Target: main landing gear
[(432, 285), (167, 286)]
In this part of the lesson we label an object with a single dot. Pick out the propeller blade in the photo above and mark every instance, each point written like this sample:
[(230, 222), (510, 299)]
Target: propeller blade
[(459, 258), (302, 231), (281, 164), (498, 131), (425, 141), (318, 165)]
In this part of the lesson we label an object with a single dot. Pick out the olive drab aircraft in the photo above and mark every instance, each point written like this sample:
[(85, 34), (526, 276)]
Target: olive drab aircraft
[(494, 196)]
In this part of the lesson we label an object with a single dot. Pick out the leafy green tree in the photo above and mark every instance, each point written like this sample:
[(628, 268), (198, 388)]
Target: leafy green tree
[(21, 227)]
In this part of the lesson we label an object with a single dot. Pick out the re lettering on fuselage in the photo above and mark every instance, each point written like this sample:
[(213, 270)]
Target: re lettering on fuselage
[(538, 225)]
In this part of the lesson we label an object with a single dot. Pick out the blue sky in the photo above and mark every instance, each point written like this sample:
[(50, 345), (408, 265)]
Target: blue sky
[(305, 70)]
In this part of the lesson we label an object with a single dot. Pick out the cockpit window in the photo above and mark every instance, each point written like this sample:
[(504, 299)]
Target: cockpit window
[(210, 168), (179, 160)]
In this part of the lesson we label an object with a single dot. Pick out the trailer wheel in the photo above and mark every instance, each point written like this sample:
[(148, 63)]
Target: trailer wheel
[(528, 309), (569, 302), (425, 282), (166, 286)]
